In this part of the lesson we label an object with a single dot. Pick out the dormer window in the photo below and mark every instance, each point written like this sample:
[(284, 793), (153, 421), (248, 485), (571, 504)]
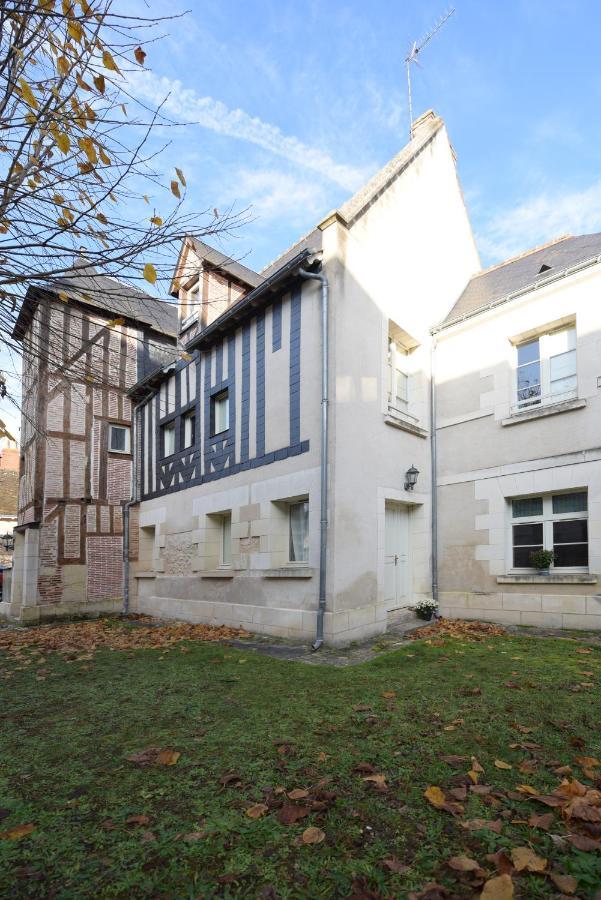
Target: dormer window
[(544, 268)]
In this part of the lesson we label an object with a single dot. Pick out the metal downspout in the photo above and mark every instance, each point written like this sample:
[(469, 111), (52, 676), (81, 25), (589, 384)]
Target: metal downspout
[(129, 504), (434, 470), (323, 524)]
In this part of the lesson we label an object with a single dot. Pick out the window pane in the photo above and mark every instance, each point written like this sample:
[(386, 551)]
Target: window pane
[(521, 557), (527, 506), (189, 422), (528, 353), (401, 386), (560, 341), (528, 376), (118, 439), (220, 408), (570, 555), (528, 534), (168, 440), (567, 503), (572, 531), (563, 366), (299, 531), (226, 541), (563, 385)]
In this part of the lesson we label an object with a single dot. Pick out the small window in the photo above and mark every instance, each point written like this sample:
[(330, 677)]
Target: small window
[(168, 438), (119, 439), (188, 428), (557, 522), (546, 368), (226, 540), (220, 412), (299, 532), (398, 382)]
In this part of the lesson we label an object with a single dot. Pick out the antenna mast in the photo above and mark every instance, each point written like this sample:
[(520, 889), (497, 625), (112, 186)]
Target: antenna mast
[(411, 57)]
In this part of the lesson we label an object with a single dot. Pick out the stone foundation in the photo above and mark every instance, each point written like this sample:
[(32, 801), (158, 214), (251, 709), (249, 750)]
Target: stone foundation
[(571, 611)]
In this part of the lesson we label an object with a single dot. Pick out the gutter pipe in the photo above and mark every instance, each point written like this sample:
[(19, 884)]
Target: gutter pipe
[(323, 524), (129, 504), (434, 470)]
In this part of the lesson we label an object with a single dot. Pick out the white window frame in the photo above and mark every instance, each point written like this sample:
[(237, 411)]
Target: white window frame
[(225, 541), (220, 419), (113, 426), (397, 366), (167, 428), (192, 296), (304, 537), (547, 518), (545, 355)]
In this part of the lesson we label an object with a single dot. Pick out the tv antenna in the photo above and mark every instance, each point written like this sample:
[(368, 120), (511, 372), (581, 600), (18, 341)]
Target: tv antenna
[(415, 50)]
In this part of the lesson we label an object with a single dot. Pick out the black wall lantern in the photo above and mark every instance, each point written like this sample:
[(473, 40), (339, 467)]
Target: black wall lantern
[(411, 478), (8, 541)]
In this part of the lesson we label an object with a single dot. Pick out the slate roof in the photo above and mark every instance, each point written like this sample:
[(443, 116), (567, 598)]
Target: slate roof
[(523, 272), (91, 287)]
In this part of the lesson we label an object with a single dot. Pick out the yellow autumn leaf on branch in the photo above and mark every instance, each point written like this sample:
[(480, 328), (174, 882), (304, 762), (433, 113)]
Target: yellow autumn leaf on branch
[(87, 145), (62, 65), (99, 83), (175, 189), (150, 273), (62, 142), (109, 62), (27, 94), (156, 220), (140, 55), (75, 30), (180, 175)]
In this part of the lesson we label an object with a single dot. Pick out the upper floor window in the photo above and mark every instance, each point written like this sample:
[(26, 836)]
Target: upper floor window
[(220, 412), (299, 532), (168, 439), (119, 439), (398, 382), (188, 429), (546, 368), (556, 522)]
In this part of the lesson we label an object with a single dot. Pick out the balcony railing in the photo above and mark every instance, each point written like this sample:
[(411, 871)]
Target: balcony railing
[(543, 400)]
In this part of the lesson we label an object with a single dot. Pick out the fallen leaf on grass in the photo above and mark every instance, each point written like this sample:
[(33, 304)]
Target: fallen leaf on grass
[(525, 859), (587, 762), (388, 695), (313, 835), (230, 778), (364, 768), (138, 820), (586, 844), (499, 888), (500, 764), (155, 756), (298, 794), (463, 864), (482, 825), (435, 796), (16, 833), (527, 789), (501, 861), (395, 865), (256, 811), (289, 813), (379, 781), (147, 837), (544, 821), (567, 884), (193, 836)]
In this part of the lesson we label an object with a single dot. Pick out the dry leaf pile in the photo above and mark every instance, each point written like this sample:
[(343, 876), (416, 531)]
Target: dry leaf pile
[(458, 628), (144, 633)]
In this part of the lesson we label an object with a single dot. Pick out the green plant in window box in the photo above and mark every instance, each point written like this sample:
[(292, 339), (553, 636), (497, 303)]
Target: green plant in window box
[(542, 559), (425, 609)]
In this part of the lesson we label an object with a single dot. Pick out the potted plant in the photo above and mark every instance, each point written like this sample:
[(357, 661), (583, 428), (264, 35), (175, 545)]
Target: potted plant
[(541, 560), (425, 609)]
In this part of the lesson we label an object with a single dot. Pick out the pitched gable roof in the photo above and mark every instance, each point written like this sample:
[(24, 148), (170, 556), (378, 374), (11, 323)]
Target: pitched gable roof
[(523, 273), (84, 283)]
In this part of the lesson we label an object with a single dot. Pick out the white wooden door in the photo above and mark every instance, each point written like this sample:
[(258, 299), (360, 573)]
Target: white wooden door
[(396, 563)]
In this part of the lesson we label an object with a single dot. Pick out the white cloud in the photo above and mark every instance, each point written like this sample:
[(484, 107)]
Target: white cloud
[(539, 219), (185, 105), (274, 195)]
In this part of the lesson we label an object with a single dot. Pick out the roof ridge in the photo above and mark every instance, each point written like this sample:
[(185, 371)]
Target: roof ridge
[(299, 240), (512, 259)]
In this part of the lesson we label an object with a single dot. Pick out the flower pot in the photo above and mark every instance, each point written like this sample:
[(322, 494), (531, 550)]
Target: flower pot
[(546, 571)]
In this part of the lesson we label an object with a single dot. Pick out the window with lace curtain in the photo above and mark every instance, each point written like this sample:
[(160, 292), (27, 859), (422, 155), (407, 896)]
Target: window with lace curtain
[(298, 517)]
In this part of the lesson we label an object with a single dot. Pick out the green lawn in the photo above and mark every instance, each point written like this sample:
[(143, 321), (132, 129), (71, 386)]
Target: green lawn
[(250, 728)]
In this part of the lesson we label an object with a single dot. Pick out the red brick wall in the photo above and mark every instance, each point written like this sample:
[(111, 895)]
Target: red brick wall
[(105, 567)]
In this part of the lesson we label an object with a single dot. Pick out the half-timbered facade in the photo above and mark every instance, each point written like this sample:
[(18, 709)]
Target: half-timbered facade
[(85, 343)]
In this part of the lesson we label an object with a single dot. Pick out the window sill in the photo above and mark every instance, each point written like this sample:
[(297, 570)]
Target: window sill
[(552, 578), (541, 412), (145, 574), (217, 573), (404, 425), (289, 572)]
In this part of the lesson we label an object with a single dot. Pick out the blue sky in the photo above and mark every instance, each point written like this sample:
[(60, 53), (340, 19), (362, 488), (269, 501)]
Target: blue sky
[(298, 103)]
